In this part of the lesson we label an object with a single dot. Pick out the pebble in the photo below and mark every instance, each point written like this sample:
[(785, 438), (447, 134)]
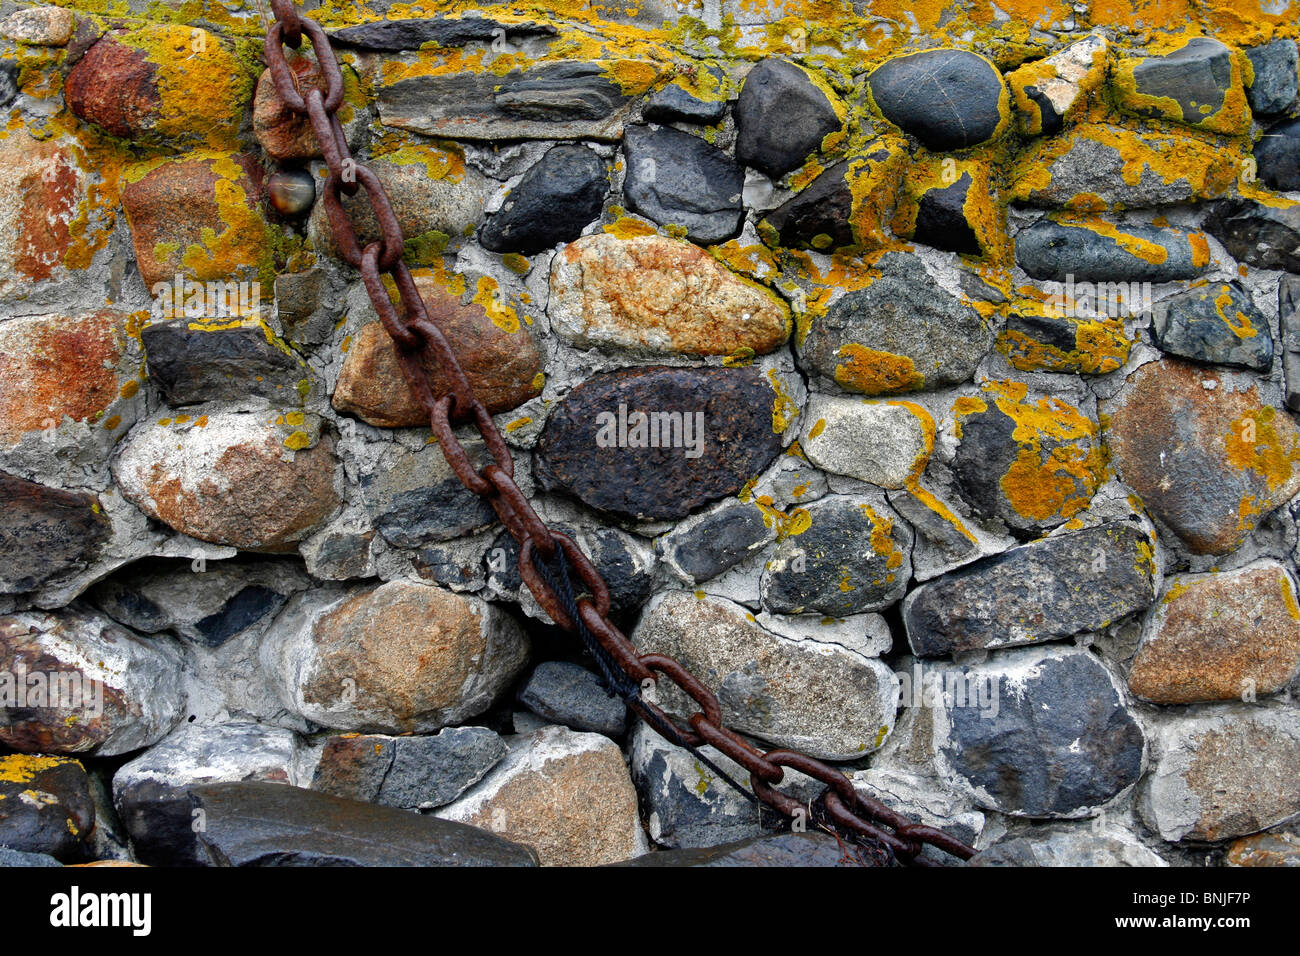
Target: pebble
[(554, 201), (948, 99), (782, 116), (678, 180)]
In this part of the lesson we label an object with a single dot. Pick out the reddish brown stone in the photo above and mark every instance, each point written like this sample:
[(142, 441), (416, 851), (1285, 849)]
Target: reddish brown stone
[(52, 368), (284, 133), (115, 87), (1281, 848), (503, 367), (222, 235), (1207, 457), (1220, 637)]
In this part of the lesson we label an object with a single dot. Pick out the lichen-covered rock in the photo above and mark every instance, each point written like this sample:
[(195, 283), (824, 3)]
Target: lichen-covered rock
[(46, 533), (885, 443), (288, 135), (948, 99), (75, 683), (1272, 85), (678, 180), (782, 115), (554, 201), (1099, 251), (162, 84), (1218, 323), (1049, 339), (902, 333), (1288, 306), (1037, 732), (652, 295), (411, 773), (559, 99), (1032, 461), (1203, 452), (1260, 234), (1046, 91), (574, 697), (683, 101), (1228, 636), (841, 555), (397, 658), (45, 806), (659, 442), (504, 367), (194, 361), (955, 211), (257, 480), (1221, 772), (151, 792), (820, 698), (437, 198), (1199, 84), (567, 795), (412, 34), (223, 235), (1045, 590)]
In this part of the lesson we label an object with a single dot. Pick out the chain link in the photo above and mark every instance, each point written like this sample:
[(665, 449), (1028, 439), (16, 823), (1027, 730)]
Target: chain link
[(422, 346)]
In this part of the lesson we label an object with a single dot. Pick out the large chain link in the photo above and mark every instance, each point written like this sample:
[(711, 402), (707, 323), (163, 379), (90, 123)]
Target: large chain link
[(421, 345)]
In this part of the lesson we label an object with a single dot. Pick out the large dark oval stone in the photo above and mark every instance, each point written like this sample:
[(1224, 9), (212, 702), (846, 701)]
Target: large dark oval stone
[(590, 447), (948, 99)]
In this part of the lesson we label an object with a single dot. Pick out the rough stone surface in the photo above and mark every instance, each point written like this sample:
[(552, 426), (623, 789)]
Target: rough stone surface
[(818, 216), (113, 691), (407, 772), (397, 658), (676, 104), (395, 35), (1218, 324), (1038, 732), (852, 555), (40, 26), (901, 333), (810, 849), (652, 295), (676, 179), (574, 697), (1274, 85), (553, 202), (503, 367), (415, 499), (579, 452), (1288, 305), (1046, 590), (256, 480), (260, 824), (948, 99), (1046, 91), (1070, 847), (1221, 772), (1266, 236), (1279, 848), (151, 792), (820, 698), (567, 795), (1276, 156), (781, 117), (1104, 253), (288, 135), (45, 533), (706, 545), (885, 444), (45, 806), (1226, 636), (1206, 456), (191, 365), (1197, 84)]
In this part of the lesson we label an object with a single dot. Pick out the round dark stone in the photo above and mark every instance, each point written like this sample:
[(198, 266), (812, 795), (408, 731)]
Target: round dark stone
[(674, 178), (591, 451), (948, 99), (555, 200), (781, 117), (1278, 156)]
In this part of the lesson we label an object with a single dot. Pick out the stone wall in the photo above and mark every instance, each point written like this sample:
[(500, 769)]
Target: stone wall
[(922, 376)]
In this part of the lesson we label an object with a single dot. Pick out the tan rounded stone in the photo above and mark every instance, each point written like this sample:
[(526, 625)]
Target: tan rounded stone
[(652, 295)]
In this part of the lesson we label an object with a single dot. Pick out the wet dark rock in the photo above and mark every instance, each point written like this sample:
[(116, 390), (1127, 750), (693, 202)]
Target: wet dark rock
[(407, 772), (416, 499), (1046, 590), (1050, 250), (563, 693), (259, 824), (45, 532), (854, 556), (1274, 86), (45, 806), (674, 178), (1039, 732), (199, 365), (592, 452), (1258, 235), (783, 849), (1278, 156), (948, 99), (781, 117), (556, 198), (395, 35), (821, 210), (1217, 323)]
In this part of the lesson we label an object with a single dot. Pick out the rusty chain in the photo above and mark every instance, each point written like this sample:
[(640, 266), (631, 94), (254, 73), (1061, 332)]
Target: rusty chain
[(421, 345)]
